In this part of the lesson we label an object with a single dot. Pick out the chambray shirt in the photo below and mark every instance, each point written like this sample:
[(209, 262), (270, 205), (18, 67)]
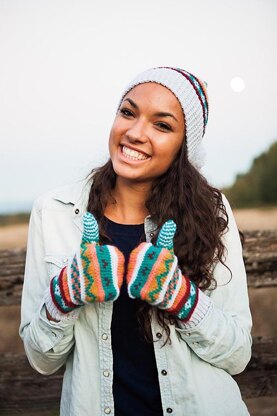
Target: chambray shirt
[(194, 370)]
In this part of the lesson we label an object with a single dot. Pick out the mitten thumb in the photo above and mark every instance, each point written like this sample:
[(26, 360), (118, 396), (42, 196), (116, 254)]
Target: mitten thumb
[(166, 235), (91, 230)]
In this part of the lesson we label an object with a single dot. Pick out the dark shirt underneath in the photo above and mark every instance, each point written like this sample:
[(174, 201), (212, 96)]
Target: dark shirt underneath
[(135, 387)]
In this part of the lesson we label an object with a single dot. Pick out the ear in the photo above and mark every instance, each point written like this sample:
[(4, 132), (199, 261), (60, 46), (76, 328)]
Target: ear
[(91, 230), (166, 235)]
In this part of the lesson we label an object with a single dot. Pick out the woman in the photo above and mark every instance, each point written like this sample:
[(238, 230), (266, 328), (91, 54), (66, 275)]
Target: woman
[(135, 281)]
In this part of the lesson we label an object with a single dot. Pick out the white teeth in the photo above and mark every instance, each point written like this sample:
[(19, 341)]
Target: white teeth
[(133, 154)]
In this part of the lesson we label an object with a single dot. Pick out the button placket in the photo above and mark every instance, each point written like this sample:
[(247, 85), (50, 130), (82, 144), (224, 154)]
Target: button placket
[(162, 366), (105, 314)]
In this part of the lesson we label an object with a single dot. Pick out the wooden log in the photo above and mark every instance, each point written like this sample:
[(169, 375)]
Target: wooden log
[(12, 263), (22, 388), (260, 376), (260, 258)]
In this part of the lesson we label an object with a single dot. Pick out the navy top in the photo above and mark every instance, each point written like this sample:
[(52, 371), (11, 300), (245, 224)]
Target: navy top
[(136, 388)]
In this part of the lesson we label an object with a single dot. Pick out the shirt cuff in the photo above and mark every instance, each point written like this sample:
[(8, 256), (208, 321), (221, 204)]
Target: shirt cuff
[(69, 317)]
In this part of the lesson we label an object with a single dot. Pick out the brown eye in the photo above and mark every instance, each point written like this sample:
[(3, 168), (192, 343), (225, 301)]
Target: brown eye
[(126, 112), (164, 126)]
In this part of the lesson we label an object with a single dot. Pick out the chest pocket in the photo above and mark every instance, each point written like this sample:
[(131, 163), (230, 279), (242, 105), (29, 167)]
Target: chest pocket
[(56, 262)]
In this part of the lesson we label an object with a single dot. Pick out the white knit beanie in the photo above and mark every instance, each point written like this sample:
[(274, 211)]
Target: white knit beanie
[(192, 95)]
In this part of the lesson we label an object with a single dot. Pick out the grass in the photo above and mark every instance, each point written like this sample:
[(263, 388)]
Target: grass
[(13, 219)]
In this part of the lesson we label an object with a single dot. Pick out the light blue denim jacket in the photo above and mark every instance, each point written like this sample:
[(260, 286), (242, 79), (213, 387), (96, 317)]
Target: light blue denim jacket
[(198, 364)]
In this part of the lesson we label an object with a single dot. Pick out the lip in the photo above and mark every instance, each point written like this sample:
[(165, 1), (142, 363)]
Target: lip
[(125, 159)]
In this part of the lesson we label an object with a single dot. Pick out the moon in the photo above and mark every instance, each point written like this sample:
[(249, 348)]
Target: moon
[(237, 84)]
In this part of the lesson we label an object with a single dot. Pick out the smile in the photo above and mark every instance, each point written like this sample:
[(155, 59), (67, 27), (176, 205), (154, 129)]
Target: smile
[(133, 154)]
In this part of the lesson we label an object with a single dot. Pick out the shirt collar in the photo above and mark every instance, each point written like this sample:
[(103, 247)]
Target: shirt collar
[(78, 192)]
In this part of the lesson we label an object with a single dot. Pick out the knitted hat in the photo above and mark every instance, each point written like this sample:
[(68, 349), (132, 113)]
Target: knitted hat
[(192, 95)]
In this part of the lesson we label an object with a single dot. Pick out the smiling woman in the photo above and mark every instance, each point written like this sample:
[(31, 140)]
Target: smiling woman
[(144, 138), (135, 279)]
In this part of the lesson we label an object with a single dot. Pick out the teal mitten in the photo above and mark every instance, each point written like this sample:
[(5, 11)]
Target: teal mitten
[(154, 276), (95, 274)]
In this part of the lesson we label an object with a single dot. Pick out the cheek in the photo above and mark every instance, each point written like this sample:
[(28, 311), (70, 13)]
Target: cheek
[(113, 135), (116, 132), (169, 150)]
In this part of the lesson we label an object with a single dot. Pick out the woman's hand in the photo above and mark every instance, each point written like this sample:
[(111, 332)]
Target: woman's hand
[(95, 274), (153, 276)]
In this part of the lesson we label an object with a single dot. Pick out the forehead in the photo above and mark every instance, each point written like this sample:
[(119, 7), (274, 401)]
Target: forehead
[(156, 95)]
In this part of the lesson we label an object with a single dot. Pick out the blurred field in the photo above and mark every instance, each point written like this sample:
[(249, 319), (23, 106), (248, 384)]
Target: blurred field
[(264, 317), (13, 236), (256, 219)]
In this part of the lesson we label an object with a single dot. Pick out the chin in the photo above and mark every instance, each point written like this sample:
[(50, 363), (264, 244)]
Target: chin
[(126, 175)]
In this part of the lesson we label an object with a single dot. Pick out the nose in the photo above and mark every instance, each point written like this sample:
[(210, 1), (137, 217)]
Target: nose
[(137, 132)]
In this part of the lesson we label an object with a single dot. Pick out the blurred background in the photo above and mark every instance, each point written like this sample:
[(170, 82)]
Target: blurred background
[(63, 67)]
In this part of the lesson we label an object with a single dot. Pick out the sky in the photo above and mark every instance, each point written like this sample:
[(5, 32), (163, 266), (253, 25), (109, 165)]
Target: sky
[(64, 65)]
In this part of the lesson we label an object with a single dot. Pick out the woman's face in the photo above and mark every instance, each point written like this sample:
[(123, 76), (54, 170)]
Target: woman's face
[(147, 133)]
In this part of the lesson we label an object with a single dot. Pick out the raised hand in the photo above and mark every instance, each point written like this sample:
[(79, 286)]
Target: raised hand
[(95, 274), (154, 276)]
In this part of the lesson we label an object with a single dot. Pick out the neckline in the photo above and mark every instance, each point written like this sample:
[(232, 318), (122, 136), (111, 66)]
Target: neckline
[(122, 225)]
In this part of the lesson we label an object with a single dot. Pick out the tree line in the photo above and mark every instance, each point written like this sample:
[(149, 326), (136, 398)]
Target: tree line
[(257, 187)]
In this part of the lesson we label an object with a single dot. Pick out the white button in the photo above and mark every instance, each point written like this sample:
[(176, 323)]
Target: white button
[(107, 410), (188, 334), (65, 260), (196, 343), (104, 336), (106, 373)]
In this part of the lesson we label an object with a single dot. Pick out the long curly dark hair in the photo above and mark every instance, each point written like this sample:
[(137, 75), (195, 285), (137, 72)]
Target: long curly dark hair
[(184, 195)]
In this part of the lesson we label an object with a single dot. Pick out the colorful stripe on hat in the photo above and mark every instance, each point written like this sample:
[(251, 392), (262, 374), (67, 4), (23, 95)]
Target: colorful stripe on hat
[(199, 89)]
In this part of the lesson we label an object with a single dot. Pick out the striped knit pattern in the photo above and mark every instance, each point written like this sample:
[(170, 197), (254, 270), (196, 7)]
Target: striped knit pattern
[(60, 292), (101, 272), (150, 270), (200, 89), (185, 300), (153, 276), (166, 235), (91, 232), (94, 275)]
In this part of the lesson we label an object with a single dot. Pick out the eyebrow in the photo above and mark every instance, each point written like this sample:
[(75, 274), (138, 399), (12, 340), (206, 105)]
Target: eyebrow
[(159, 114)]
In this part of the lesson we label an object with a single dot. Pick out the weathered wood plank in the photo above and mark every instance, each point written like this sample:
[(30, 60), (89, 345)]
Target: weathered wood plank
[(260, 376), (12, 263), (260, 258), (22, 388)]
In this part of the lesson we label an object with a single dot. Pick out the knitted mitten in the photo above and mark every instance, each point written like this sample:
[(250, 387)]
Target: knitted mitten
[(153, 276), (95, 274)]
